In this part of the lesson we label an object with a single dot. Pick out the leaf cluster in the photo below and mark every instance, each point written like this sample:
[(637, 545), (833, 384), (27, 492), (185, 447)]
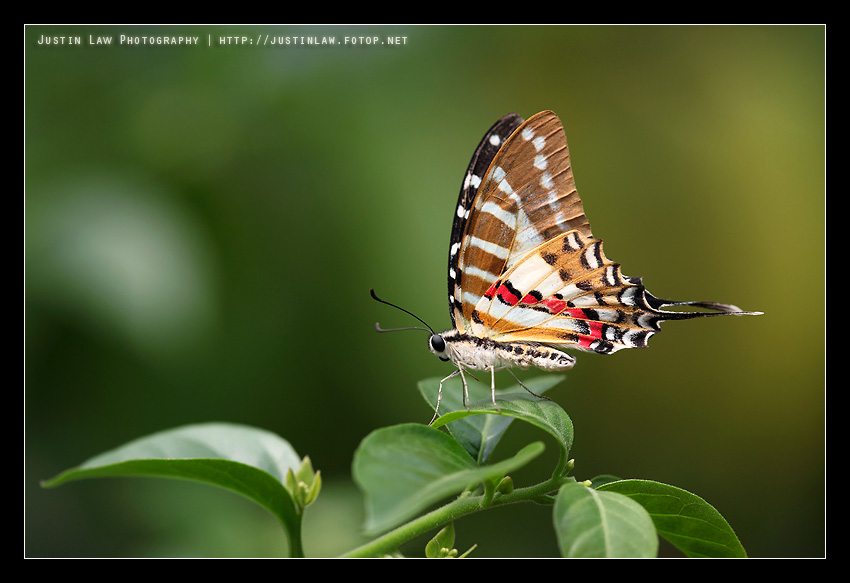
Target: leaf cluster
[(417, 479)]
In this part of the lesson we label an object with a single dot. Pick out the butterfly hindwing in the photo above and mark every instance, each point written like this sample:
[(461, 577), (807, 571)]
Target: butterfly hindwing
[(568, 294)]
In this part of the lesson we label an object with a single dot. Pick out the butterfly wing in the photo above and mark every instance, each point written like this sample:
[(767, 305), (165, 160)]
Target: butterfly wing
[(504, 223), (529, 269), (487, 149)]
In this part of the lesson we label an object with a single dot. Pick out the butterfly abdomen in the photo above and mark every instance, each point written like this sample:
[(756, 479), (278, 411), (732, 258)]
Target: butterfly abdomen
[(472, 352)]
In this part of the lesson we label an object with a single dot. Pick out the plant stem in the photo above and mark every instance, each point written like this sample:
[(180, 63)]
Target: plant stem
[(392, 540), (293, 533)]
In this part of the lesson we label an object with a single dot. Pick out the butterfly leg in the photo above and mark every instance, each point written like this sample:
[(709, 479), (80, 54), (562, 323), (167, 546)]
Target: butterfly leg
[(526, 388), (465, 388), (440, 393), (493, 387), (472, 375)]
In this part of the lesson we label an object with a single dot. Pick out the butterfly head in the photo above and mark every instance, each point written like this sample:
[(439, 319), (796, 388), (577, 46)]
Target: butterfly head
[(437, 345), (436, 342)]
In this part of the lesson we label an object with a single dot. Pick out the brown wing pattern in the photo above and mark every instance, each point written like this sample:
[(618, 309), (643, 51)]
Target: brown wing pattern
[(487, 149), (527, 197)]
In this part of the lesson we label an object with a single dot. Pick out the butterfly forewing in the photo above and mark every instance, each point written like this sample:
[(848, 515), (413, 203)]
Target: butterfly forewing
[(487, 149), (527, 198)]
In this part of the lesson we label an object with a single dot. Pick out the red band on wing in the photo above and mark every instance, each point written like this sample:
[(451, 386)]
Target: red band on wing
[(577, 313), (555, 306), (507, 295), (595, 329), (586, 340)]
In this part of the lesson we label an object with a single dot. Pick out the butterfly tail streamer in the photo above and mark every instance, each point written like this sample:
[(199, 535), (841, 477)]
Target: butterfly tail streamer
[(718, 308)]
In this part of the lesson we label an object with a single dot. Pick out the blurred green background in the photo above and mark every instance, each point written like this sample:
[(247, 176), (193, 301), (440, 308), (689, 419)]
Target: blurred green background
[(203, 225)]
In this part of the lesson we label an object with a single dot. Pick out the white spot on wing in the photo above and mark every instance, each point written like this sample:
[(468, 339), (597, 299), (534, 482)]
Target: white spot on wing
[(489, 247), (628, 296), (607, 315), (530, 273), (585, 301), (470, 298), (573, 241), (571, 292), (590, 257), (609, 275), (505, 187), (540, 162), (500, 213), (483, 274)]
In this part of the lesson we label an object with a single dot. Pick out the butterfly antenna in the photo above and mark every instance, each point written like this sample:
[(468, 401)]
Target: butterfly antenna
[(378, 326)]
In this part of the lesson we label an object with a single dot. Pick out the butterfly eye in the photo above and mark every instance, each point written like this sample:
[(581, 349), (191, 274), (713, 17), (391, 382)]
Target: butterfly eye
[(438, 345)]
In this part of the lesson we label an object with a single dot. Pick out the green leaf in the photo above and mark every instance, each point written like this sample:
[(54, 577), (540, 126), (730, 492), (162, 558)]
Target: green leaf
[(442, 544), (478, 434), (245, 460), (593, 523), (687, 521), (404, 469), (542, 413), (599, 481)]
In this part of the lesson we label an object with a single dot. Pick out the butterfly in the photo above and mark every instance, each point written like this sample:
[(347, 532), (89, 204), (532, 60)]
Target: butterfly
[(527, 279)]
